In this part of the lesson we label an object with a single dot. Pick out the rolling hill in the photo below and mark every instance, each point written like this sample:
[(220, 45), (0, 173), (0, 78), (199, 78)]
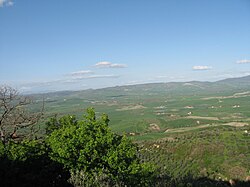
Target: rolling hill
[(186, 128)]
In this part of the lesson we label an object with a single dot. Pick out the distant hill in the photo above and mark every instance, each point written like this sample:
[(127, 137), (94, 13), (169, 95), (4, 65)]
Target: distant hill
[(170, 88), (237, 80)]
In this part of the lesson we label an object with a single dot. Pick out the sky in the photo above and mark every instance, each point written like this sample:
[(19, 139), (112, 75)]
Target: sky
[(75, 45)]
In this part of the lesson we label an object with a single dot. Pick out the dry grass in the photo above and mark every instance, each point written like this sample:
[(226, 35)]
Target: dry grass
[(133, 107), (203, 117)]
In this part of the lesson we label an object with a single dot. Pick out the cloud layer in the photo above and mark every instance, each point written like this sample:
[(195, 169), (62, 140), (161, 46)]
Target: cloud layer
[(87, 74), (80, 73), (243, 61), (201, 67), (105, 64), (6, 3), (95, 77)]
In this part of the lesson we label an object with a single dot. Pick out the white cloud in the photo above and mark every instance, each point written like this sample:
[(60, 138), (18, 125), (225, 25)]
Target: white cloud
[(134, 82), (97, 77), (69, 81), (243, 61), (105, 64), (201, 67), (118, 66), (80, 73), (86, 74), (6, 3), (170, 77), (162, 76)]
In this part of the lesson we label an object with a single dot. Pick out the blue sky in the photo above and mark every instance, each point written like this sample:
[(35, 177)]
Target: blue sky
[(63, 45)]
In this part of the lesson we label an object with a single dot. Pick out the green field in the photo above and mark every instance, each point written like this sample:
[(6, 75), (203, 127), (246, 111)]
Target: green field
[(193, 128), (133, 109)]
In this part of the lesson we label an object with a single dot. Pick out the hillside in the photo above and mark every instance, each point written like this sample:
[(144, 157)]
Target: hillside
[(186, 128), (238, 80), (166, 104), (179, 88)]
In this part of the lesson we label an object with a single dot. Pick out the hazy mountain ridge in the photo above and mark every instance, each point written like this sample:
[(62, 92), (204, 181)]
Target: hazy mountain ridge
[(245, 79), (224, 86)]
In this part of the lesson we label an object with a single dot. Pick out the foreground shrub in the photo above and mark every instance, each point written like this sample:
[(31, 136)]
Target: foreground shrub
[(93, 152)]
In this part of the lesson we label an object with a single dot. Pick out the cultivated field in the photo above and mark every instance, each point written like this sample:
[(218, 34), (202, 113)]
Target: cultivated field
[(199, 129)]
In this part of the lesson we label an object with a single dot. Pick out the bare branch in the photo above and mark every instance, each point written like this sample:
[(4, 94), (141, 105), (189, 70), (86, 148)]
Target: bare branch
[(14, 115)]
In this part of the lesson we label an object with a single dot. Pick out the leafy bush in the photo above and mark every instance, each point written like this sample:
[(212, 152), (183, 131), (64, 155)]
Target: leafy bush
[(27, 149), (89, 146)]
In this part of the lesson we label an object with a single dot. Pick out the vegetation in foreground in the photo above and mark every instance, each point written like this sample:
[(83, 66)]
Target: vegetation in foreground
[(177, 152), (87, 153), (87, 150)]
